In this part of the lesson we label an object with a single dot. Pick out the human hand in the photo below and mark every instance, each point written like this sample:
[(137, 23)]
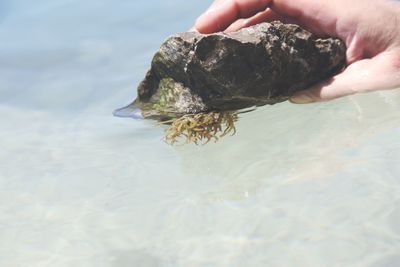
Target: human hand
[(369, 28)]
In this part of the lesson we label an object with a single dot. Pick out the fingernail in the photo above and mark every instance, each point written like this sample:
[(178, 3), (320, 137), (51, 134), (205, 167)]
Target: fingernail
[(301, 99), (246, 23)]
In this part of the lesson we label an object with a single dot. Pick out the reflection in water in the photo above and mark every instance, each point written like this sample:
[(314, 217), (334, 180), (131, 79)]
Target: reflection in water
[(298, 185)]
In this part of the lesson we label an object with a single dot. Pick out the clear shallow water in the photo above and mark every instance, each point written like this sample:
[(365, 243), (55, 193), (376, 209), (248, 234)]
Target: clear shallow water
[(314, 185)]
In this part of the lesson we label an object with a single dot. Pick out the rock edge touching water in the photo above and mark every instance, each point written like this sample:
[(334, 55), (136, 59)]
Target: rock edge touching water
[(262, 64)]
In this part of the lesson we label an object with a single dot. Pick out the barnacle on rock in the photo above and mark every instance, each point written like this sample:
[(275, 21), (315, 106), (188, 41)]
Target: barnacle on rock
[(200, 128)]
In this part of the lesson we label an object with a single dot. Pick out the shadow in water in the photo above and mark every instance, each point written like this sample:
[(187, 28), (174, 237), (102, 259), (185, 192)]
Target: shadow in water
[(285, 143)]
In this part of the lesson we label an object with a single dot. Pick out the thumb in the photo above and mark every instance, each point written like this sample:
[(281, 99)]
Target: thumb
[(223, 13), (378, 73)]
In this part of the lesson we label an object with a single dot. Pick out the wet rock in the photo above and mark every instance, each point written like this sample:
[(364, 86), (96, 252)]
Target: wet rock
[(263, 64)]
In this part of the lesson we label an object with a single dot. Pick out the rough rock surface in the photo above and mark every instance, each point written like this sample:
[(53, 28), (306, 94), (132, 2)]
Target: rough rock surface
[(258, 65)]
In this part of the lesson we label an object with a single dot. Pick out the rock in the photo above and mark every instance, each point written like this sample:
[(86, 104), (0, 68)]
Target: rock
[(263, 64)]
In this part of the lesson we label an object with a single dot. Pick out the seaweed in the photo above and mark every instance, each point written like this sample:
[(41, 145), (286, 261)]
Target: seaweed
[(200, 128)]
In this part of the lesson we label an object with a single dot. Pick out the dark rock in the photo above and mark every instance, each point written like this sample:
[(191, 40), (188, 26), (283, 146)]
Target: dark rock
[(262, 64)]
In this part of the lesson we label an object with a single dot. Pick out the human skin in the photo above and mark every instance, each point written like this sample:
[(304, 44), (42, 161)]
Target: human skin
[(369, 28)]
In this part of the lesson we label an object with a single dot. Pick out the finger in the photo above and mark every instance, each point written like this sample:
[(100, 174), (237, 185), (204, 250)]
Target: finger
[(380, 72), (266, 15), (320, 17), (224, 12), (315, 16)]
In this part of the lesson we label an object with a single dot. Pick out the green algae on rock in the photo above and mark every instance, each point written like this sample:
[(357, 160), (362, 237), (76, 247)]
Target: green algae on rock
[(263, 64)]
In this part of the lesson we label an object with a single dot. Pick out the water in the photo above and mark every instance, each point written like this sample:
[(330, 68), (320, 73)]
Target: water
[(299, 185)]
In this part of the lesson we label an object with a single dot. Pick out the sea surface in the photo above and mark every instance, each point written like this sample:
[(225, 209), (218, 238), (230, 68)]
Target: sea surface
[(298, 185)]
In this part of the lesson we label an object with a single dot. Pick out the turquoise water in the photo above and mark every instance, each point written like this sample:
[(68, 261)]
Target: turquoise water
[(298, 185)]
